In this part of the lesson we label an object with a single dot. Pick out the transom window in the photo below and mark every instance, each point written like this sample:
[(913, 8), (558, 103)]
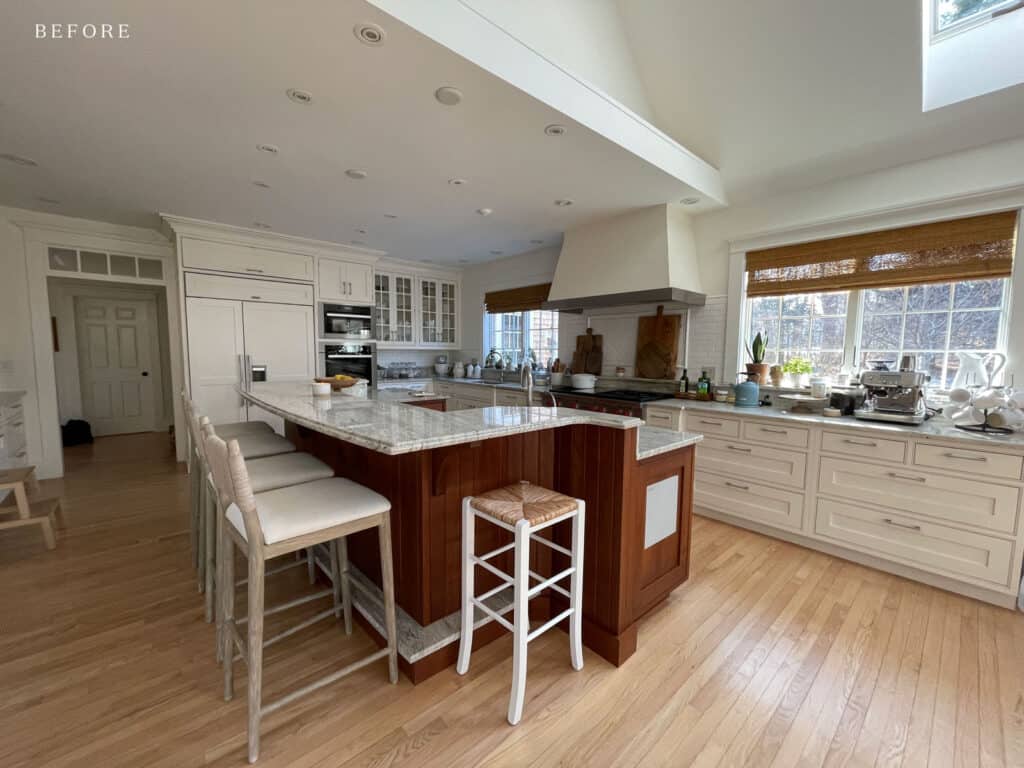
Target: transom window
[(515, 335), (951, 14), (848, 330)]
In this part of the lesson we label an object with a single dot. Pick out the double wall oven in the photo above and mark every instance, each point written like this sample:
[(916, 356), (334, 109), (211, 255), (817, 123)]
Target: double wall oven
[(346, 341), (351, 358), (346, 322)]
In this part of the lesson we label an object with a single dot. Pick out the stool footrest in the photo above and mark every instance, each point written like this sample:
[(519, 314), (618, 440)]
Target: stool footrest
[(496, 571), (549, 624), (548, 582), (291, 604), (551, 544), (326, 680), (555, 587), (496, 552), (493, 592), (496, 616)]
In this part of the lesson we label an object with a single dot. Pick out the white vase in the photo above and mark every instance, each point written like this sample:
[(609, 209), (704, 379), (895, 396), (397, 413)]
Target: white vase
[(459, 372)]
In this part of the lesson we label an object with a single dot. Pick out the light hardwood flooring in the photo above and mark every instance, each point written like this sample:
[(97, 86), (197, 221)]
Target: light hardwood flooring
[(770, 655)]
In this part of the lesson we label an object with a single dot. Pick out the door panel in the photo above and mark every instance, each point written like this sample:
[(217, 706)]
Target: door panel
[(115, 356), (280, 336), (215, 345)]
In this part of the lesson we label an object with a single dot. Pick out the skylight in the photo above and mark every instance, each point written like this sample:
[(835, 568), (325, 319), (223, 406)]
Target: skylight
[(949, 15)]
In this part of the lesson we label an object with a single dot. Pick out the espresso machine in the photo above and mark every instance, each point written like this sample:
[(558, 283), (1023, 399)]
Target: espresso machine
[(895, 396)]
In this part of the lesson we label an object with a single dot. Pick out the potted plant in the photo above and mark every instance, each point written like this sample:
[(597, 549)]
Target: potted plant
[(757, 368), (799, 371)]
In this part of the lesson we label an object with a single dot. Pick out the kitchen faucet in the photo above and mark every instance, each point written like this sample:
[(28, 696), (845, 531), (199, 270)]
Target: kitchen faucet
[(526, 381)]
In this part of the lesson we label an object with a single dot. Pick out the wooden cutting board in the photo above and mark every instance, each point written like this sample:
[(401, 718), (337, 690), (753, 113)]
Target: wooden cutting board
[(589, 353), (657, 345)]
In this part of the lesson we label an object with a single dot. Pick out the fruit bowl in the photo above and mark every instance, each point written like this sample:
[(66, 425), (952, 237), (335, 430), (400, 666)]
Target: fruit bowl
[(338, 383)]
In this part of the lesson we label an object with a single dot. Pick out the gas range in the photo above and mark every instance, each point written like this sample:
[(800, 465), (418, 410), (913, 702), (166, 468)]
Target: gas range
[(625, 402)]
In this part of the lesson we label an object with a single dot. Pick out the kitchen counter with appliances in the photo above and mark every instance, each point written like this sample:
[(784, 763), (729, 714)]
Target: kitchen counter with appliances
[(637, 483), (931, 503)]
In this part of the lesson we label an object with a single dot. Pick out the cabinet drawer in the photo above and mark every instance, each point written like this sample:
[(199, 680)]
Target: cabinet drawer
[(245, 259), (965, 460), (922, 544), (968, 502), (866, 447), (668, 418), (760, 503), (241, 289), (712, 425), (794, 437), (754, 462)]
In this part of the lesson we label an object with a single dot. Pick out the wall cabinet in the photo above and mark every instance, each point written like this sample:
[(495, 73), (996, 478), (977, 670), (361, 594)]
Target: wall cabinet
[(415, 311), (245, 259), (346, 282)]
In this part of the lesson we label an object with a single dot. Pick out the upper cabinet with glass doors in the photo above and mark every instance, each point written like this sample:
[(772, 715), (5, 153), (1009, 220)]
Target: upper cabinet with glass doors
[(393, 309), (412, 311), (438, 312)]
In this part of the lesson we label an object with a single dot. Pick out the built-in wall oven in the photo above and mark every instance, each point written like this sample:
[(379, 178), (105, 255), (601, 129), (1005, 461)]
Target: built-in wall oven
[(351, 358), (346, 321)]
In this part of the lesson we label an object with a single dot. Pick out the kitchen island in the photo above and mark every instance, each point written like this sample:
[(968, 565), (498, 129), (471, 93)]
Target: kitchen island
[(637, 482)]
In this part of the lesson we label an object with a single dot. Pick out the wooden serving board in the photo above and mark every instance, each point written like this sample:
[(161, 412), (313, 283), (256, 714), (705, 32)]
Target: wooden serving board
[(657, 345), (589, 353)]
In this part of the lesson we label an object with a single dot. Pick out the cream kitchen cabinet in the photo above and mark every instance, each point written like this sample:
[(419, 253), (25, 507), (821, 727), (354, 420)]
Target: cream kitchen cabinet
[(438, 308), (666, 416), (196, 253), (939, 509), (394, 310), (346, 282)]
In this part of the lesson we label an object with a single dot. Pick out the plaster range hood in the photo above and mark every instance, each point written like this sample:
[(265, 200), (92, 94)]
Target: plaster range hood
[(636, 258)]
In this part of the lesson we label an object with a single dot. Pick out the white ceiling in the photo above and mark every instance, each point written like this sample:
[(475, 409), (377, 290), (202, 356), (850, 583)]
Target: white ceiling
[(169, 121), (795, 93)]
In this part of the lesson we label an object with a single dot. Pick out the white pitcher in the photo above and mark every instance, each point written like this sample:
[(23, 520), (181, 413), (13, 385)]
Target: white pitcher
[(974, 369)]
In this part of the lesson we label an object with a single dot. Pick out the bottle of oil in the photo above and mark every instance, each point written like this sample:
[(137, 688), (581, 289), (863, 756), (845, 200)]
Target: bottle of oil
[(684, 383)]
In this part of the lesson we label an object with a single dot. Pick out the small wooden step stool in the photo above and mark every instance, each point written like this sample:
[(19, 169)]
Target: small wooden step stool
[(22, 481)]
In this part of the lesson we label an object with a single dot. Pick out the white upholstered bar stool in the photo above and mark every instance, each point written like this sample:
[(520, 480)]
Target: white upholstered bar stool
[(265, 473), (280, 522), (524, 509)]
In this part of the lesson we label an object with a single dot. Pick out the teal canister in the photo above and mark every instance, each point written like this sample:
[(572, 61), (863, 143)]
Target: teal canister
[(748, 394)]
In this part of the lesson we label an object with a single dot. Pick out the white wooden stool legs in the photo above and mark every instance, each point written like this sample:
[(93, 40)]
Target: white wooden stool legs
[(522, 589), (254, 646), (387, 576), (468, 588), (521, 631)]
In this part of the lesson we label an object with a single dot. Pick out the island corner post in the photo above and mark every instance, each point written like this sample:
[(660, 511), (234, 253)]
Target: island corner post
[(623, 576)]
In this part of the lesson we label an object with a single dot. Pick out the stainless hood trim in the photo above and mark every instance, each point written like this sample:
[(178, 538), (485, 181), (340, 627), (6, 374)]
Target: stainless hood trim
[(670, 297)]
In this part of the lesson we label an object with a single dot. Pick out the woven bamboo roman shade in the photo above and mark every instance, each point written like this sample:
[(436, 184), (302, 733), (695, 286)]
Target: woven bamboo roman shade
[(517, 299), (974, 248)]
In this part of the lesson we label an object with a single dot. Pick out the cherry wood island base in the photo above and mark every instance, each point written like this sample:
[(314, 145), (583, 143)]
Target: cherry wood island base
[(623, 579)]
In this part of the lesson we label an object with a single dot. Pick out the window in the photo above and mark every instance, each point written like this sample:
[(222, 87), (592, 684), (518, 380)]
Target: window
[(807, 325), (950, 14), (516, 334), (934, 321)]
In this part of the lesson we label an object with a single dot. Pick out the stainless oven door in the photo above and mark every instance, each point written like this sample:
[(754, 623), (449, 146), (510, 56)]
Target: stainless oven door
[(343, 321), (359, 360)]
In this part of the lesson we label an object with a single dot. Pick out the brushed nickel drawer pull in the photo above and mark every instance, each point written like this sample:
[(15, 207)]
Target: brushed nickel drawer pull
[(898, 476), (890, 521), (716, 423), (774, 431), (255, 297), (737, 485), (253, 269), (739, 448), (950, 455), (865, 443)]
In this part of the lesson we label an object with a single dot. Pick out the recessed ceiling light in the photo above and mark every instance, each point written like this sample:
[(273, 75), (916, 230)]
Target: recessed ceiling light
[(369, 34), (19, 160), (555, 130), (355, 173), (456, 182), (485, 211), (690, 200), (537, 242), (300, 97), (390, 215), (563, 203), (260, 225), (270, 149), (261, 184), (497, 253), (48, 200), (448, 95)]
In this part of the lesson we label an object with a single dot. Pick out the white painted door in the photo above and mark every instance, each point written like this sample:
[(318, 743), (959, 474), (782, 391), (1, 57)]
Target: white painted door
[(215, 345), (115, 355), (281, 338)]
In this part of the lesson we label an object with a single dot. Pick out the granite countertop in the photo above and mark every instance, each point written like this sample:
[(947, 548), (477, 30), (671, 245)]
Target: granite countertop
[(398, 395), (513, 385), (671, 402), (382, 423), (936, 428), (652, 441)]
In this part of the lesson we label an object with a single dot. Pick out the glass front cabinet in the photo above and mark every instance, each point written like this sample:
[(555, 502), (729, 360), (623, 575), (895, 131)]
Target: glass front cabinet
[(414, 311)]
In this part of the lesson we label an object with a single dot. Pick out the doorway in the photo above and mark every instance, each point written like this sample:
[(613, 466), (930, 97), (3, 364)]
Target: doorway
[(111, 355)]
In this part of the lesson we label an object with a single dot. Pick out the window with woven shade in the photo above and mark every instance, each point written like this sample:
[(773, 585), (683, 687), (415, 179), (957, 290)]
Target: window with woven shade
[(974, 248)]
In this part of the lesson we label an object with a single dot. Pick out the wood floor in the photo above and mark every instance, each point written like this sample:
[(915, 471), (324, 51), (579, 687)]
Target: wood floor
[(770, 655)]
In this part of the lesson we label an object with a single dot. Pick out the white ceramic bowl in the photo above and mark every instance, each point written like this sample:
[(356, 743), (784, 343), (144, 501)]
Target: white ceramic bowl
[(583, 380), (321, 389)]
